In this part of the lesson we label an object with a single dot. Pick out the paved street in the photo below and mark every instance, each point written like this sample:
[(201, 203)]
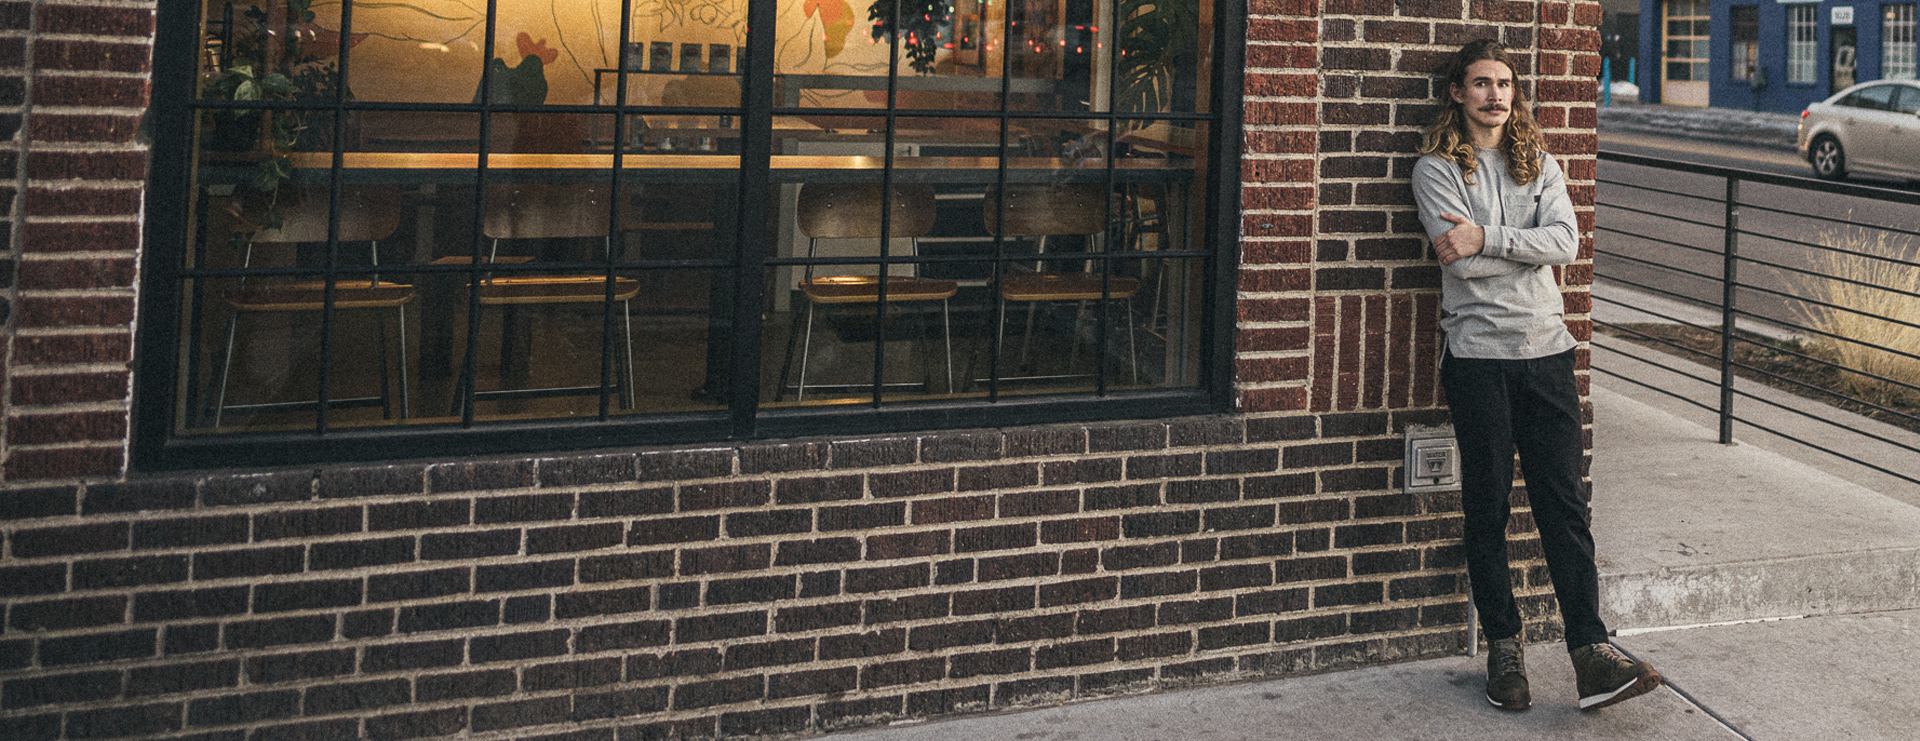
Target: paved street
[(1651, 217)]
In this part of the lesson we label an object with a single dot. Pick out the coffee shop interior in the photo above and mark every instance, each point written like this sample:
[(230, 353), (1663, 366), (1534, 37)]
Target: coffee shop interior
[(439, 212)]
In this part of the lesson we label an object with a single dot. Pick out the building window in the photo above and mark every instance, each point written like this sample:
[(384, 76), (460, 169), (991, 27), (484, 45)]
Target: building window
[(1687, 40), (414, 228), (1802, 42), (1898, 43), (1744, 56)]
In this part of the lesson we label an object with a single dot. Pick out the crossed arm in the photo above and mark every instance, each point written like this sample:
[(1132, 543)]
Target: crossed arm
[(1470, 250)]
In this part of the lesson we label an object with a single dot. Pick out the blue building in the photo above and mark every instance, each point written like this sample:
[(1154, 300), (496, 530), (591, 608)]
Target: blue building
[(1770, 55)]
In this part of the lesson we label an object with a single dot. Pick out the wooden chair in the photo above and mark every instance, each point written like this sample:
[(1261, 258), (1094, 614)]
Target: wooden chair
[(366, 215), (852, 211), (550, 211), (1059, 209)]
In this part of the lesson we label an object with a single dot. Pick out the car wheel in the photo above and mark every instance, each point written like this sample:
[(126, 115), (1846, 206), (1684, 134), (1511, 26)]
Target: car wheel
[(1829, 160)]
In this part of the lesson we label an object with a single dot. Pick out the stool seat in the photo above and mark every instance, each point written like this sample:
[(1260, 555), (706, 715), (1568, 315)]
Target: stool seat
[(548, 211), (1041, 212), (1067, 287), (864, 211), (311, 295), (317, 215), (554, 289), (865, 289)]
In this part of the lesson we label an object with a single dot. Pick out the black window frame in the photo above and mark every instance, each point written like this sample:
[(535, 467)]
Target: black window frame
[(157, 370)]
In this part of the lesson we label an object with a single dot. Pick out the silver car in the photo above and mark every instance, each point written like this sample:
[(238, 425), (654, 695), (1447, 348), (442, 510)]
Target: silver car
[(1870, 128)]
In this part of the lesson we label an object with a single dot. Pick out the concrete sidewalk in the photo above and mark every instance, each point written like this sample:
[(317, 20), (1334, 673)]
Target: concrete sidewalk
[(1848, 676), (1781, 600)]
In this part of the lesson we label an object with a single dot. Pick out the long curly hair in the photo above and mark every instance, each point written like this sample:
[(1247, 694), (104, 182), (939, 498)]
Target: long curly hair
[(1520, 140)]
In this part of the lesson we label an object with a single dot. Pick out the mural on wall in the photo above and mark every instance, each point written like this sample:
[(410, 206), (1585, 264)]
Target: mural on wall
[(431, 50)]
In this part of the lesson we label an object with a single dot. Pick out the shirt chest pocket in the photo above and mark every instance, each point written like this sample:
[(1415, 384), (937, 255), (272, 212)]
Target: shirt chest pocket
[(1521, 212)]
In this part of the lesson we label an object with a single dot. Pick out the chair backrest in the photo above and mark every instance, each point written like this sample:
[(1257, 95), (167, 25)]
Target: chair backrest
[(1041, 210), (546, 210), (852, 211), (366, 215)]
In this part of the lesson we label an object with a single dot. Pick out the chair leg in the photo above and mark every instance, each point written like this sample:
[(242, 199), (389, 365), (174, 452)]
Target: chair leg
[(225, 369), (1026, 340), (946, 334), (626, 333), (1159, 293), (406, 402), (1079, 311), (466, 376), (386, 384), (459, 393), (999, 342), (806, 349), (926, 349), (786, 366)]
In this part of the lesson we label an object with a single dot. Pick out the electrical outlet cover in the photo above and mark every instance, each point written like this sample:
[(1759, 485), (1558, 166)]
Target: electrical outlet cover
[(1432, 459)]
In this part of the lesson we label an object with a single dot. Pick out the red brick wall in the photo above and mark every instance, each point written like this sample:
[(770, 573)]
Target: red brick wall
[(1339, 298), (793, 586), (80, 169)]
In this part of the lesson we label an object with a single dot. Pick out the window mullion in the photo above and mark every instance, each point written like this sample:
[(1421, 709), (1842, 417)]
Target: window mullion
[(756, 152)]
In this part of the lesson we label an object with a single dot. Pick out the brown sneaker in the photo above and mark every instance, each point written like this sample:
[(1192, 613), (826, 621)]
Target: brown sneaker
[(1507, 675), (1608, 676)]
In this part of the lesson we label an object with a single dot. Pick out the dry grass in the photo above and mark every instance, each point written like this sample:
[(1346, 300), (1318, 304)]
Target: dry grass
[(1872, 315)]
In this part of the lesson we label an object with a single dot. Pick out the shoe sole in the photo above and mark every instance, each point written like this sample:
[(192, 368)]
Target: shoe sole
[(1639, 686), (1512, 706)]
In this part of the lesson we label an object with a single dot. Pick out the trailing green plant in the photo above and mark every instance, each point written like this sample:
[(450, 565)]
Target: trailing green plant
[(1870, 275), (268, 61)]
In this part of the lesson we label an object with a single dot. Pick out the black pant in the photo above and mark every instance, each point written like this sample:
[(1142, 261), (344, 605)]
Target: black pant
[(1533, 405)]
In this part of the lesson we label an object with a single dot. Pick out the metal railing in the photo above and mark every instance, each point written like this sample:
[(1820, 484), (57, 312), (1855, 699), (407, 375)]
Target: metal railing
[(1748, 247)]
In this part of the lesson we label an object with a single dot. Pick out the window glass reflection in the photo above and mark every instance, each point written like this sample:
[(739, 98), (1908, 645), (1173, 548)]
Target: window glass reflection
[(548, 224)]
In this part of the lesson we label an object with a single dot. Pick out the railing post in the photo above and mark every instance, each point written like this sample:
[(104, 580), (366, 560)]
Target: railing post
[(1606, 83), (1729, 278)]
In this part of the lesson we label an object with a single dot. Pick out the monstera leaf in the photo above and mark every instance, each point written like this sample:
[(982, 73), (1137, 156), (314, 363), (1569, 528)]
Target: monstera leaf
[(1155, 37)]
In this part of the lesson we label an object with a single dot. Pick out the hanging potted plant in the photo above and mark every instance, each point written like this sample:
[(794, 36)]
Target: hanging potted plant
[(274, 55), (923, 23)]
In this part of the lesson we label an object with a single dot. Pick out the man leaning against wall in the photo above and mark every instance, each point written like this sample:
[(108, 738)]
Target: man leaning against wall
[(1495, 204)]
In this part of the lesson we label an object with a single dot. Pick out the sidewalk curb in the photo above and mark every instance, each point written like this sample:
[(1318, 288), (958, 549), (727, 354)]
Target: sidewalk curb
[(1774, 131), (1818, 584), (1788, 146)]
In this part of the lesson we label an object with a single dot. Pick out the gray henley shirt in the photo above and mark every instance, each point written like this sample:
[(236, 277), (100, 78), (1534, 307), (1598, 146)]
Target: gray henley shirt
[(1502, 303)]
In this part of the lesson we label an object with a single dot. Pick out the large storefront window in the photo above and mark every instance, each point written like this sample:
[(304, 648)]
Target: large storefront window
[(636, 220)]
